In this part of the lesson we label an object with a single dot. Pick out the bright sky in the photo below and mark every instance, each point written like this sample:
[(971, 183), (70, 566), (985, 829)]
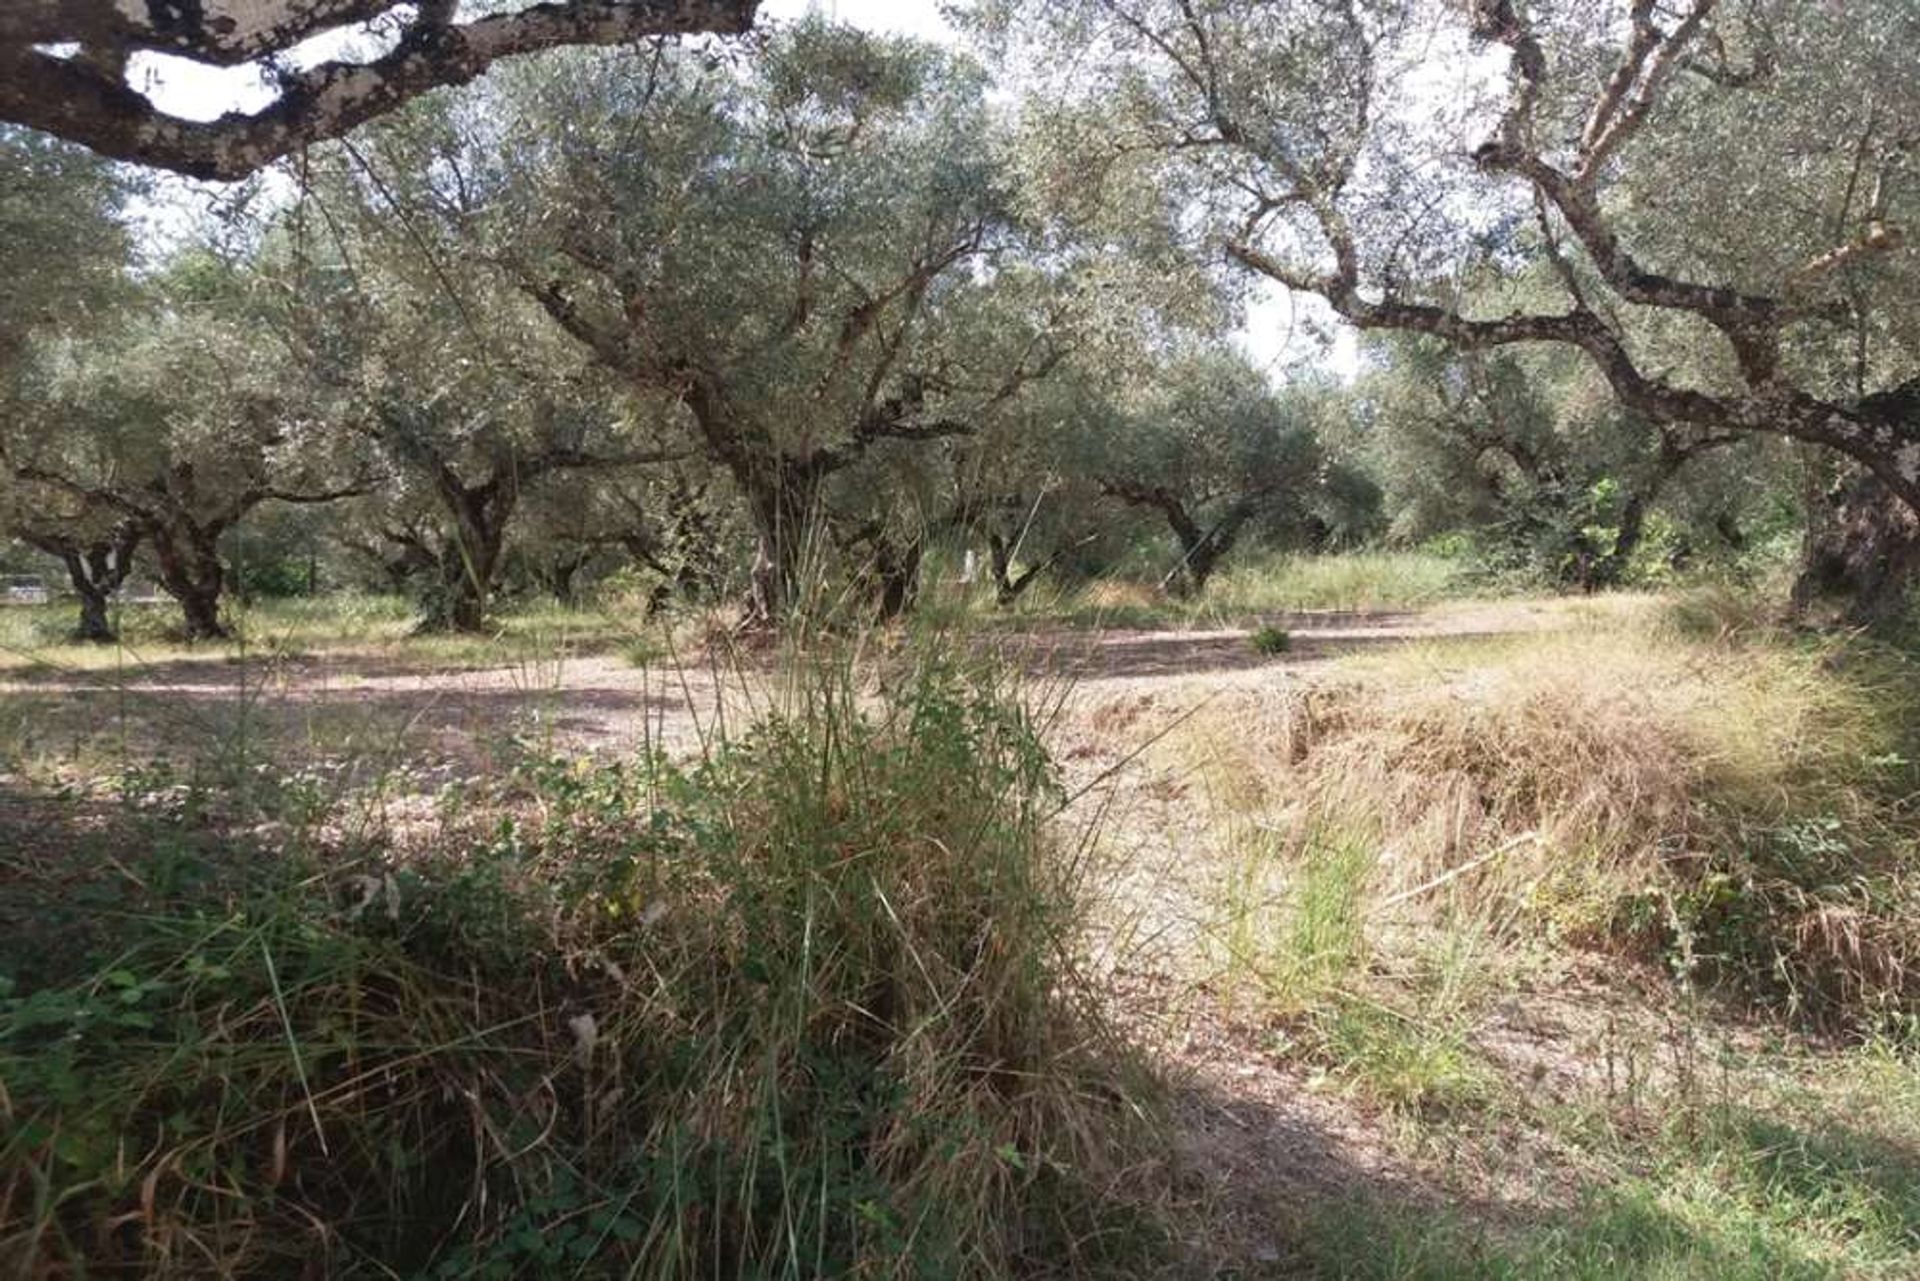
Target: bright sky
[(1278, 332), (908, 17)]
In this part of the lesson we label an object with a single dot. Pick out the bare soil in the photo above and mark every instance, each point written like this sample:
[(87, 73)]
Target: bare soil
[(294, 706)]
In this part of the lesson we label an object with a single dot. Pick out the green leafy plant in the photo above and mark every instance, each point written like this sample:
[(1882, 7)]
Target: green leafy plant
[(799, 1007), (1270, 640)]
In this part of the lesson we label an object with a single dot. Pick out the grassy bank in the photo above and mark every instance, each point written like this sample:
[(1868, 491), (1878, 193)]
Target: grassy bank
[(1736, 806)]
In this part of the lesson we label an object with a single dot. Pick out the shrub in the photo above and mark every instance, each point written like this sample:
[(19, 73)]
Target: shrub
[(1270, 640), (801, 1008)]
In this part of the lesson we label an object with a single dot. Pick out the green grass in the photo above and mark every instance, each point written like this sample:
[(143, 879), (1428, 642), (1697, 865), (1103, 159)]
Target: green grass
[(1270, 640), (342, 622), (801, 1007), (1241, 595), (1347, 581), (1743, 1193), (37, 637)]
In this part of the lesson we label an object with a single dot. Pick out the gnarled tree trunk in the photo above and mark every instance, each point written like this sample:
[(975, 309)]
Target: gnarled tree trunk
[(784, 499), (1008, 586), (188, 558), (96, 567), (1866, 554), (469, 567), (897, 567), (1202, 548)]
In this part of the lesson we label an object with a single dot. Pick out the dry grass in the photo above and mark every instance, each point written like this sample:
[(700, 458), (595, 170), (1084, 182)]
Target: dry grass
[(803, 1006), (1625, 783)]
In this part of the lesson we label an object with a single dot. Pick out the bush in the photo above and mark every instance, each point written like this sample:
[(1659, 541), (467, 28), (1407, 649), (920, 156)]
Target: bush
[(802, 1008), (1270, 640)]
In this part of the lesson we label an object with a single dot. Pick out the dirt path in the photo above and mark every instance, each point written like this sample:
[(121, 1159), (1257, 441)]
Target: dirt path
[(348, 703)]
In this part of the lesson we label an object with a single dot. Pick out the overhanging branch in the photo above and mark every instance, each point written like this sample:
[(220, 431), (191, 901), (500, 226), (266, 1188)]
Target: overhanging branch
[(86, 98)]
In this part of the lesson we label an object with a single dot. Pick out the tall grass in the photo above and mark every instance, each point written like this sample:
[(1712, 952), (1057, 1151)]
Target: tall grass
[(1737, 803), (1345, 581), (803, 1007)]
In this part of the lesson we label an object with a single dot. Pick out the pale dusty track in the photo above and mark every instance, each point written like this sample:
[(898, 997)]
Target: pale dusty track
[(352, 701)]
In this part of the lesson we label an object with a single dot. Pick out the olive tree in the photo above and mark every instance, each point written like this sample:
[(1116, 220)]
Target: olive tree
[(65, 249), (452, 379), (1715, 194), (1527, 449), (814, 258), (1204, 443), (94, 548), (175, 424), (65, 259)]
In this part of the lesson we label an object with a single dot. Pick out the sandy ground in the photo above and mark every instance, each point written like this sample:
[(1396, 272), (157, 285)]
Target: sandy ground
[(351, 701)]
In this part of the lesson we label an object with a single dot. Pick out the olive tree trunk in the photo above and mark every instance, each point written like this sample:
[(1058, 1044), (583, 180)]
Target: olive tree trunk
[(1865, 556), (188, 559)]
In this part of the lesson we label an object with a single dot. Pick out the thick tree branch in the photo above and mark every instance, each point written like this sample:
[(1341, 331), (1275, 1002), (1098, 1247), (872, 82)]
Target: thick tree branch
[(86, 98)]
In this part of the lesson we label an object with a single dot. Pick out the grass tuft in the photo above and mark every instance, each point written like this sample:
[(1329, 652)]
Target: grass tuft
[(1270, 640), (800, 1008)]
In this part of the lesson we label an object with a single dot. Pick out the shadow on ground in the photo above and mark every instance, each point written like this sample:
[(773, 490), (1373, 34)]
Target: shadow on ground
[(1262, 1181), (1120, 655)]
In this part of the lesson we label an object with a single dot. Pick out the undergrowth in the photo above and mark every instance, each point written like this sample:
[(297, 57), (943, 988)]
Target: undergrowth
[(803, 1007), (1242, 593), (1752, 1189), (1735, 802), (1557, 912)]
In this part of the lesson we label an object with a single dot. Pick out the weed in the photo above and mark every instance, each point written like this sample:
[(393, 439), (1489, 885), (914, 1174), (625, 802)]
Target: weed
[(799, 1008), (1415, 1063), (1270, 640)]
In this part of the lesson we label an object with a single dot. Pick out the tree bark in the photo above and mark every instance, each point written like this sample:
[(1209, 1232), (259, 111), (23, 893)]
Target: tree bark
[(94, 626), (898, 571), (1865, 555), (86, 98), (469, 564), (784, 498), (191, 572), (1201, 558), (1201, 549)]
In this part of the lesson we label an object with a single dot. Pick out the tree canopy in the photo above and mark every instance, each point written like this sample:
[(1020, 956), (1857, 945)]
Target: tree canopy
[(777, 320)]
